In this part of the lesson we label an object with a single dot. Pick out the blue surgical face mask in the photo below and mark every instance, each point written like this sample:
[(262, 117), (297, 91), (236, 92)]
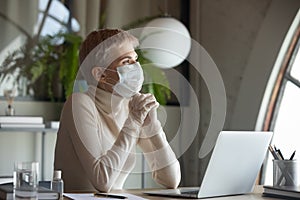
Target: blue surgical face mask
[(131, 80)]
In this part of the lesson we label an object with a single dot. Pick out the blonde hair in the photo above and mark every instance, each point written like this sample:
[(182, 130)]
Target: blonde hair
[(99, 46)]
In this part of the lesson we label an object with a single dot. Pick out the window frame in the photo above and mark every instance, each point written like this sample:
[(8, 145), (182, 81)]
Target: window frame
[(281, 80)]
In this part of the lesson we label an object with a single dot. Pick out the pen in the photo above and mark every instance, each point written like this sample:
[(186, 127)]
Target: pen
[(279, 153), (292, 156), (273, 152), (115, 196)]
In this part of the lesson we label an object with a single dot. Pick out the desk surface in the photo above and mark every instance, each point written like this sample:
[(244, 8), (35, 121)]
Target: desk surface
[(256, 195)]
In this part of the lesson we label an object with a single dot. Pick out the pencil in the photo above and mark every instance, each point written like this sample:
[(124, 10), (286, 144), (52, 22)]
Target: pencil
[(273, 152), (292, 156), (115, 196)]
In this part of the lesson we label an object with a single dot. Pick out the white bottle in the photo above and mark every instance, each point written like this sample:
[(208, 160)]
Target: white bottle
[(57, 183)]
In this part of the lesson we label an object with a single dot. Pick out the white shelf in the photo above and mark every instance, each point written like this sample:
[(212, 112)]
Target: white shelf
[(38, 130)]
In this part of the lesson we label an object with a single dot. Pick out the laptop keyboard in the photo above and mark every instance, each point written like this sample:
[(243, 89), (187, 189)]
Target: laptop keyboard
[(195, 192)]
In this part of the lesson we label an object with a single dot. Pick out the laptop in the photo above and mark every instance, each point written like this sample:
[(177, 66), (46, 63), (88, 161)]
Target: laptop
[(232, 169)]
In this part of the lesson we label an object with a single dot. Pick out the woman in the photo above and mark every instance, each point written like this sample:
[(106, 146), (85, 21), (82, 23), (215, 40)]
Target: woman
[(99, 129)]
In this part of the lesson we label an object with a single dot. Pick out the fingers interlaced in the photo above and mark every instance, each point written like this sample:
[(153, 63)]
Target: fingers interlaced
[(143, 102)]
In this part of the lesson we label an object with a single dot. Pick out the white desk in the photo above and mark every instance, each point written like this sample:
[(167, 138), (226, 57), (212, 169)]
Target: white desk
[(256, 195)]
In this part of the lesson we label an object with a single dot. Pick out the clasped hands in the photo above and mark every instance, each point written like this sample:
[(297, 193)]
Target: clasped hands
[(143, 110)]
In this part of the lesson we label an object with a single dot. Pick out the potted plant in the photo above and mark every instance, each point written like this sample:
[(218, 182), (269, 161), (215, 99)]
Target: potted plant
[(49, 65)]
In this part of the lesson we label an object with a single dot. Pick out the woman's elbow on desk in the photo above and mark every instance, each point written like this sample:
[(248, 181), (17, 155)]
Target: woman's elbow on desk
[(176, 177), (103, 187), (102, 178), (170, 183), (169, 177)]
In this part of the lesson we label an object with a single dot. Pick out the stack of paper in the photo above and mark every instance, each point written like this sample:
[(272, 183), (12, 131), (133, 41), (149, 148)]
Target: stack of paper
[(21, 122), (92, 196)]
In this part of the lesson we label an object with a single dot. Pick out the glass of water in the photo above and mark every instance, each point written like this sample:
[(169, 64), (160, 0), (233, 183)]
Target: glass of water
[(26, 180)]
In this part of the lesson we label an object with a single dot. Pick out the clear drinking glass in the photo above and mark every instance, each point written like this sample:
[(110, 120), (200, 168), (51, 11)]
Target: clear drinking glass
[(26, 180)]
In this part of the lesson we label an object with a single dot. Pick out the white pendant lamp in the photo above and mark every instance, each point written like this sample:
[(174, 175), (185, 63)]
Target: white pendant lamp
[(165, 41)]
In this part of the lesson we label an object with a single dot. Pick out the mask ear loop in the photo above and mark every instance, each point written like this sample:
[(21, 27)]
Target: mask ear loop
[(104, 83), (110, 84), (108, 78), (101, 78)]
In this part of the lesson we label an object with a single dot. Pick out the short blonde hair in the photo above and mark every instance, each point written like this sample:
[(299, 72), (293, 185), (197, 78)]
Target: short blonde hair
[(100, 42)]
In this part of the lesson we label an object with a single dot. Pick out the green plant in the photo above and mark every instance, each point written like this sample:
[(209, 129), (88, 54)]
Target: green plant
[(48, 65)]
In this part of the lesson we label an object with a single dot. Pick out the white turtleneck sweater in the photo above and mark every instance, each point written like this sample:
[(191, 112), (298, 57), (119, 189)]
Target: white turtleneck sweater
[(94, 153)]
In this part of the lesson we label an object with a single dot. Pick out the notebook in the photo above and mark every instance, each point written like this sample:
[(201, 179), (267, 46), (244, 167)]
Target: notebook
[(232, 169)]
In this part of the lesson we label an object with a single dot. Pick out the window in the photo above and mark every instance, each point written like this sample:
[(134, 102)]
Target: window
[(51, 17), (57, 18), (284, 108)]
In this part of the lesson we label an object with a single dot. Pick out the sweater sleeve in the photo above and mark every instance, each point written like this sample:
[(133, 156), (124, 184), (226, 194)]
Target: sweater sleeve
[(102, 162), (161, 159)]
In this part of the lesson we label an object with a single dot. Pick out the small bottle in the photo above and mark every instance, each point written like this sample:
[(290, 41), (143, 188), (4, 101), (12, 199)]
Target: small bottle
[(57, 183), (10, 111)]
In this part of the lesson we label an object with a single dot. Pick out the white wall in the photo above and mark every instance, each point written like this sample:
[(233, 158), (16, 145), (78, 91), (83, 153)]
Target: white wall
[(228, 30), (243, 38), (261, 61)]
